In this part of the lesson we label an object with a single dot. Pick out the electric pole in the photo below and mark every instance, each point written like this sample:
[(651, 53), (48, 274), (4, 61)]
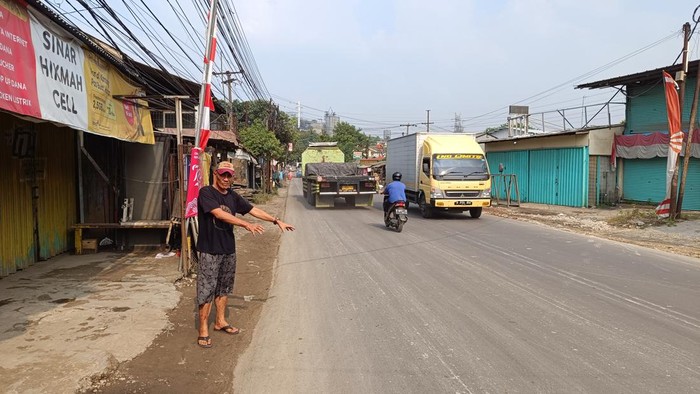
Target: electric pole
[(675, 205), (688, 146), (408, 125), (184, 252), (428, 122), (229, 82)]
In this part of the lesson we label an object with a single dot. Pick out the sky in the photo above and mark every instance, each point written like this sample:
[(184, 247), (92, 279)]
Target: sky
[(378, 64)]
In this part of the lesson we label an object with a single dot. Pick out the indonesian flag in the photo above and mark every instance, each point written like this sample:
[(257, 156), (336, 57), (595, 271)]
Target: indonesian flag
[(675, 143), (206, 105)]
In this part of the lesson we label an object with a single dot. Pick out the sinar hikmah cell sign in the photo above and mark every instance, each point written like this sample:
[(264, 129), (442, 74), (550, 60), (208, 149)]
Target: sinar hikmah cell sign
[(46, 73)]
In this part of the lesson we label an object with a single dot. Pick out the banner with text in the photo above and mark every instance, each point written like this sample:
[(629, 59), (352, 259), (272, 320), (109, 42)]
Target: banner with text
[(46, 73)]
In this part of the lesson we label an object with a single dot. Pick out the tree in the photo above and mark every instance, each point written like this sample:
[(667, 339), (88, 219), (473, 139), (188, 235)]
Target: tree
[(351, 139), (262, 143), (302, 139), (268, 114)]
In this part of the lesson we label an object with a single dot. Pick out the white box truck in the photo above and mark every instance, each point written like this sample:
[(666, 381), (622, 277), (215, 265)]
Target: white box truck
[(441, 171)]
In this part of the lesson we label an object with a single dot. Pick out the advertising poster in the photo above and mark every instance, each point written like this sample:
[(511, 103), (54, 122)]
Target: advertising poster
[(124, 119), (17, 75)]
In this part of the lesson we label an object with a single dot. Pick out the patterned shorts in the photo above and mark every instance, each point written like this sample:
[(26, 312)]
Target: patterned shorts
[(215, 277)]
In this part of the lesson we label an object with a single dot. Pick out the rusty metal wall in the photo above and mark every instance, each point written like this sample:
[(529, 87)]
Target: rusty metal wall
[(17, 249), (57, 202), (37, 190)]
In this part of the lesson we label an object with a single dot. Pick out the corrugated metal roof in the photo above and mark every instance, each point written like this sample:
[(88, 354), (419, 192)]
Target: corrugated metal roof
[(219, 135), (644, 77)]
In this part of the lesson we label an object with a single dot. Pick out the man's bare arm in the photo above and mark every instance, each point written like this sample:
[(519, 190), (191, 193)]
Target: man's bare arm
[(236, 221), (262, 215)]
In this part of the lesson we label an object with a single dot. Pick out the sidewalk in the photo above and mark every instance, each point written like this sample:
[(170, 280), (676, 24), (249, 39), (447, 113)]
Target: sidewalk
[(71, 317)]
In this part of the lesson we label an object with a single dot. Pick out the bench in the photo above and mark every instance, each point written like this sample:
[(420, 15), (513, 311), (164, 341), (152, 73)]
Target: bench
[(137, 224)]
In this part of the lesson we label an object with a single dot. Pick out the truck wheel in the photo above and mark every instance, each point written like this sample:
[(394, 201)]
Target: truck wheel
[(425, 209), (475, 212), (350, 201), (310, 197)]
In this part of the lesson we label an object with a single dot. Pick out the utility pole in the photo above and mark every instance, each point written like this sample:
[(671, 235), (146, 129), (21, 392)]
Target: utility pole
[(184, 252), (428, 122), (688, 146), (229, 82), (408, 125), (298, 115), (675, 205)]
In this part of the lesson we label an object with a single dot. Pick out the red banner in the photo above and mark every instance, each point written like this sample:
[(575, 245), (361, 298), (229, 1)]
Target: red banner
[(673, 110), (194, 182), (18, 90)]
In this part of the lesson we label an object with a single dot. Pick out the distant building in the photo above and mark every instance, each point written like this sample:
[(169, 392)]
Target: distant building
[(316, 126), (330, 120)]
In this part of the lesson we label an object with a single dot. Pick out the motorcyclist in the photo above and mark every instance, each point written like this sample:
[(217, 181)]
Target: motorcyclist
[(394, 191)]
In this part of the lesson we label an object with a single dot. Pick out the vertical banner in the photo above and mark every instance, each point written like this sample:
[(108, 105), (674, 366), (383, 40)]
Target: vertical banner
[(203, 122), (194, 182), (675, 143), (18, 91)]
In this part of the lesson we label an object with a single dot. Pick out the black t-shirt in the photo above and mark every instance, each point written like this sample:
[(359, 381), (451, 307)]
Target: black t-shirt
[(216, 236)]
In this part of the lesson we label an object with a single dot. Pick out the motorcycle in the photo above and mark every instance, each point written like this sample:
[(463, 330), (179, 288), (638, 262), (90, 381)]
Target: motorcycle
[(396, 216)]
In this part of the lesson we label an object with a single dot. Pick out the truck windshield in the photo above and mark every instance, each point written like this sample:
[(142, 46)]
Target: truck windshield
[(460, 167)]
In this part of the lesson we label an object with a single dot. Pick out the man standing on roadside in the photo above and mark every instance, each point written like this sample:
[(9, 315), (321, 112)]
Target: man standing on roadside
[(217, 206)]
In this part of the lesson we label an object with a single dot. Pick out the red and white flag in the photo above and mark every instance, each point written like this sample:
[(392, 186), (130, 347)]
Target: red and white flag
[(202, 128), (675, 143)]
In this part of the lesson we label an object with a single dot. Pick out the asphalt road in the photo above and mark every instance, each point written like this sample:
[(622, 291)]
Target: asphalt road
[(461, 305)]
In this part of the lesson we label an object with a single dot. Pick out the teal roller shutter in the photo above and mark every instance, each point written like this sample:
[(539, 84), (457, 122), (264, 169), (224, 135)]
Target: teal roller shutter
[(559, 176), (691, 195), (644, 180), (516, 163)]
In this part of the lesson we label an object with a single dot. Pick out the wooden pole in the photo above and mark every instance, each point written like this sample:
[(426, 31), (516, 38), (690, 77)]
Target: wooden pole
[(674, 209), (184, 254), (688, 145)]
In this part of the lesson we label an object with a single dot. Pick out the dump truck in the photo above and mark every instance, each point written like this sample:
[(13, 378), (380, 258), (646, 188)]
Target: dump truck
[(326, 176), (441, 171)]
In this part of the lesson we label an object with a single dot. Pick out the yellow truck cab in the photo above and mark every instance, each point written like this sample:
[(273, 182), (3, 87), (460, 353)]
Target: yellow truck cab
[(442, 172)]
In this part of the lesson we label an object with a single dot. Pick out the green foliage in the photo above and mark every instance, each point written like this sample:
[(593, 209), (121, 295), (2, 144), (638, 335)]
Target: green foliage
[(351, 139), (260, 141), (249, 112), (302, 139)]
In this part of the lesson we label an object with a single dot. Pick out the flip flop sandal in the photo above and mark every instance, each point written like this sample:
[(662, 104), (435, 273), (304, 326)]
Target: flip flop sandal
[(228, 330), (207, 341)]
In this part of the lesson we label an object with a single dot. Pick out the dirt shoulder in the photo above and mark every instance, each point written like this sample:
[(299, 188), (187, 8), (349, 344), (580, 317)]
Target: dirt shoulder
[(174, 362), (632, 224)]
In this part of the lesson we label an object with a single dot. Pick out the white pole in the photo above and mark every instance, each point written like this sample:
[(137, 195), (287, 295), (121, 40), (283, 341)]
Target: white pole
[(211, 29)]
